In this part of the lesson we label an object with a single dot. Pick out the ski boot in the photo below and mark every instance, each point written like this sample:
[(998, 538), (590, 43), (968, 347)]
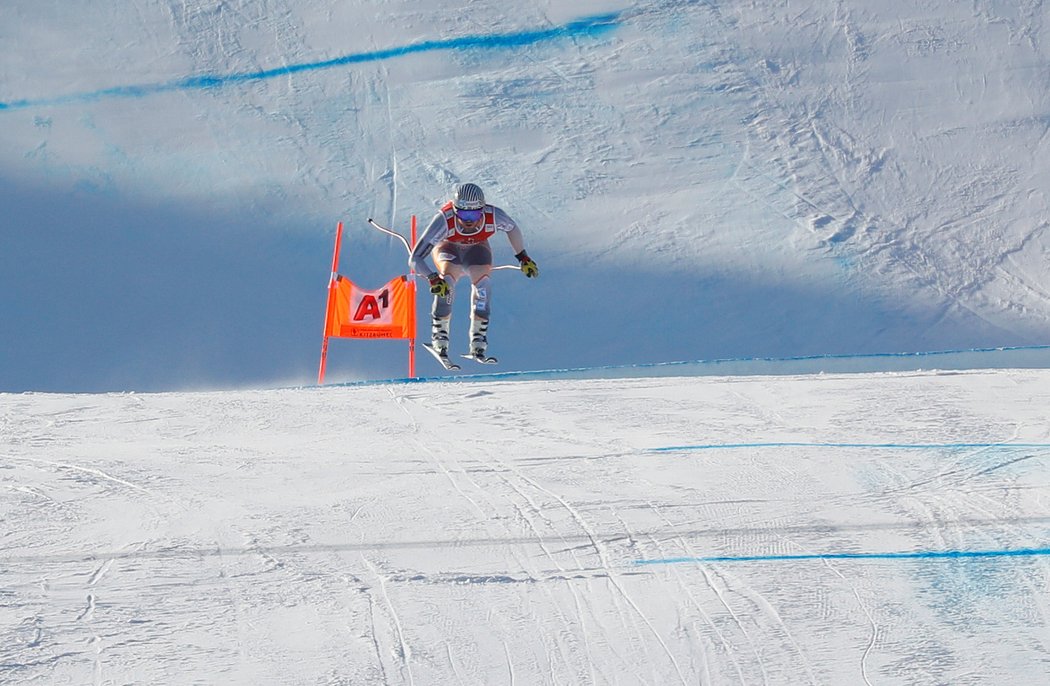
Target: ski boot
[(438, 346), (479, 341)]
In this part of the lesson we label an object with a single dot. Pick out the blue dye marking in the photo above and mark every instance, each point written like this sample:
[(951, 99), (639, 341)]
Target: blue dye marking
[(886, 446), (923, 555), (587, 26), (654, 368)]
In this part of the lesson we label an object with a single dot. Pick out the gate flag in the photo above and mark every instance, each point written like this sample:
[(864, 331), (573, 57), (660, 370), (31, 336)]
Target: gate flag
[(355, 312), (387, 312)]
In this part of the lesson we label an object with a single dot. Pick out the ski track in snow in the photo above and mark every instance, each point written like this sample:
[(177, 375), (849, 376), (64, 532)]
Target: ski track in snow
[(527, 531)]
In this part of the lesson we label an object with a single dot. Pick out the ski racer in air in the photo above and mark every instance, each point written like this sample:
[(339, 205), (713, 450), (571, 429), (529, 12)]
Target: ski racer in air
[(457, 240)]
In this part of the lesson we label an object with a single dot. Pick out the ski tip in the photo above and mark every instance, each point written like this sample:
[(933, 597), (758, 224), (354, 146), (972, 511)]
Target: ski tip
[(443, 360)]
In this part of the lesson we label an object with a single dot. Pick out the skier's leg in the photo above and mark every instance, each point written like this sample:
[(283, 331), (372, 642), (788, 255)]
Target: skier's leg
[(480, 301), (478, 263), (440, 317), (442, 305), (446, 259)]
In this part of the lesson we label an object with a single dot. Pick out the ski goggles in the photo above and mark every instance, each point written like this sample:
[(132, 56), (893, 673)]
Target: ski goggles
[(469, 215)]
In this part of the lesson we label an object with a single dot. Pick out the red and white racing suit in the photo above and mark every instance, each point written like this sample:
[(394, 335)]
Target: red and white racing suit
[(455, 253)]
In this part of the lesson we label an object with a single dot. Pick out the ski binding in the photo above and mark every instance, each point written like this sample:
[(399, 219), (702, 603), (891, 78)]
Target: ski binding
[(480, 359)]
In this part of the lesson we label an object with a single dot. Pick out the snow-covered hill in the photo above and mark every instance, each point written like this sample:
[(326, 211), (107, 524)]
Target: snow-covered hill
[(853, 529), (696, 179)]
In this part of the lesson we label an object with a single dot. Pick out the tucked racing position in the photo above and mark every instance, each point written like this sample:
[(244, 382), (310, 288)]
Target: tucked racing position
[(457, 240)]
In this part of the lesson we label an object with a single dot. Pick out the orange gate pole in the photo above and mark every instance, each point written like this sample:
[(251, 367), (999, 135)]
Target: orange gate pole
[(412, 282), (328, 305)]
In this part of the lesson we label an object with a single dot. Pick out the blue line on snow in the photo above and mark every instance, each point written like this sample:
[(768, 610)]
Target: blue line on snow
[(887, 446), (923, 555), (587, 26), (543, 374)]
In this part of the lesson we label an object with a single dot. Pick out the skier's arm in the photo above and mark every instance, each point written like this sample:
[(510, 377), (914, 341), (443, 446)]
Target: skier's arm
[(517, 243), (510, 227), (434, 233)]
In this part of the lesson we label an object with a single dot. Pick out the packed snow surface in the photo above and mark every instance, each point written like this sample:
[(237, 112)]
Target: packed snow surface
[(825, 529)]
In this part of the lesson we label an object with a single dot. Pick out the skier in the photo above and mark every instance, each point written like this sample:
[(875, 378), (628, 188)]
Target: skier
[(458, 241)]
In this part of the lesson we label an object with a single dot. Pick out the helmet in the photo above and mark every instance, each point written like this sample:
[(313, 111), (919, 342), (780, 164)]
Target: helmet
[(468, 197)]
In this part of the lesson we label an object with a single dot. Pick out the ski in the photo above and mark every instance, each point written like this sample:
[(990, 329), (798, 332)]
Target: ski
[(480, 359), (442, 359)]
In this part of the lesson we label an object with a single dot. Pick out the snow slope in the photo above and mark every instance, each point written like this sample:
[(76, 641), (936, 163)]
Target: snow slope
[(696, 179), (834, 529)]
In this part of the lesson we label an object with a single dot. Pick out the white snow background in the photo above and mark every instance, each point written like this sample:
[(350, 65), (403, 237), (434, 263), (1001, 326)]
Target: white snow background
[(697, 180)]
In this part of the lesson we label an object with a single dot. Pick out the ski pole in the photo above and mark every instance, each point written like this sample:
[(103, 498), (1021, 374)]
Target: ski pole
[(395, 234), (404, 242)]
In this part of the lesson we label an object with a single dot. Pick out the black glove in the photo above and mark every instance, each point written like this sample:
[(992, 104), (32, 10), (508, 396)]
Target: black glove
[(438, 285), (528, 265)]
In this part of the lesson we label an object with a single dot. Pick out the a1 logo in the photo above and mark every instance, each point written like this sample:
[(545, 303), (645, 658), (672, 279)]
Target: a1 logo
[(372, 306)]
